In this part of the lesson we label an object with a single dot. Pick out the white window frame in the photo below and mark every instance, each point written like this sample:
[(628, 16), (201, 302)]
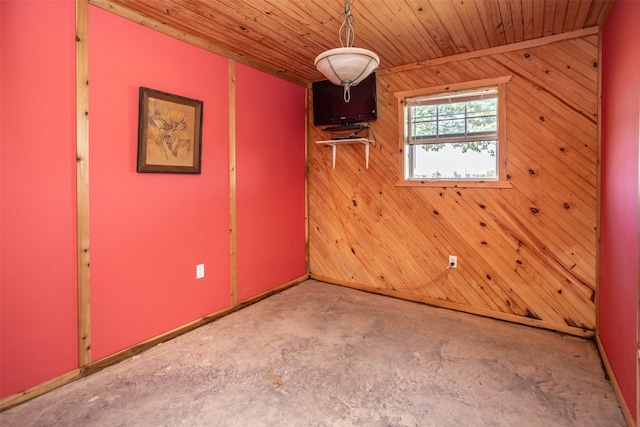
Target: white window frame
[(408, 98)]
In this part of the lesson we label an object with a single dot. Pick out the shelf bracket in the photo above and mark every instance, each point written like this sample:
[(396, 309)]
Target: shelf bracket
[(335, 142)]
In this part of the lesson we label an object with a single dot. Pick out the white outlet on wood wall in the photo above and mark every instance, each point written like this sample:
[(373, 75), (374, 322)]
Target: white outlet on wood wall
[(453, 261)]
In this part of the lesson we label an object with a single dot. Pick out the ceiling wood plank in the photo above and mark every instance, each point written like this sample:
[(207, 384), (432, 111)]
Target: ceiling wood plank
[(457, 32), (507, 20), (560, 16), (283, 37), (468, 14), (500, 49), (489, 13)]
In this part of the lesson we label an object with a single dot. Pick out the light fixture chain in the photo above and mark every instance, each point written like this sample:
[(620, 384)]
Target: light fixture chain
[(347, 26)]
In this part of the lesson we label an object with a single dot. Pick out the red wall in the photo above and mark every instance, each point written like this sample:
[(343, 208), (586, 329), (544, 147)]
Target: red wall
[(147, 231), (38, 325), (618, 303), (270, 156)]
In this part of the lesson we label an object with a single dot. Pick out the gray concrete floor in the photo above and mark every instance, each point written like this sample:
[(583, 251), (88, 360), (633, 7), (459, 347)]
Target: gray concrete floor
[(324, 355)]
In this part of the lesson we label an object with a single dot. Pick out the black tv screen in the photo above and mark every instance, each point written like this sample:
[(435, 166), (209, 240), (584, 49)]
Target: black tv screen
[(329, 107)]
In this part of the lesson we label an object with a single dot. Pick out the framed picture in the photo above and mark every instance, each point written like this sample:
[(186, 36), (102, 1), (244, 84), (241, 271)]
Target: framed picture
[(169, 133)]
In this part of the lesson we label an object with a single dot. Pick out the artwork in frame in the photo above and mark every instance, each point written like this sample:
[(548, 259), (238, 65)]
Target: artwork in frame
[(169, 133)]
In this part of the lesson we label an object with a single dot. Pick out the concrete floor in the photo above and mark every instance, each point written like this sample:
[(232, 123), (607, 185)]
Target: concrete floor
[(324, 355)]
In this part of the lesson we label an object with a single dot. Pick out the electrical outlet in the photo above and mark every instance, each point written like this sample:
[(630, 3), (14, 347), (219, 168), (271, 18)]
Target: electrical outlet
[(199, 271), (453, 261)]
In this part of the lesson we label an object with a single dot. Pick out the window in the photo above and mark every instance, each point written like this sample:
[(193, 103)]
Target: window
[(454, 135)]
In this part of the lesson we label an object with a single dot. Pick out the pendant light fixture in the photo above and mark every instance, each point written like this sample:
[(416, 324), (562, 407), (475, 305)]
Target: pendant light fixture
[(347, 65)]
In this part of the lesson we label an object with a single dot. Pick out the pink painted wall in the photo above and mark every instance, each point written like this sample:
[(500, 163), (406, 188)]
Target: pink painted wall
[(270, 156), (619, 197), (38, 314), (147, 231)]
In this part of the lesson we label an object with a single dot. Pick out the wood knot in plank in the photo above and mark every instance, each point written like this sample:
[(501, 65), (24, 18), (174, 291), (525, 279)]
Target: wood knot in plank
[(530, 314), (534, 210), (566, 205)]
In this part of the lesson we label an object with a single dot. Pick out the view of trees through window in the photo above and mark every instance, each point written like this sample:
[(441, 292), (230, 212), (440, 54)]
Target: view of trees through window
[(454, 138), (459, 160)]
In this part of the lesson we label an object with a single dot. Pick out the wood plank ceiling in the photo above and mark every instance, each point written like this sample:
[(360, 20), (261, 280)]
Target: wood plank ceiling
[(284, 36)]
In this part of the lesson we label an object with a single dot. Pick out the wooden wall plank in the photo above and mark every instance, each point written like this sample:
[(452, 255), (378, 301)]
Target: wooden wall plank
[(233, 197), (82, 181), (527, 253)]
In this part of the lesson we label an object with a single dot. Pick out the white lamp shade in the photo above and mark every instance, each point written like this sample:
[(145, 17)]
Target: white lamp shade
[(347, 65)]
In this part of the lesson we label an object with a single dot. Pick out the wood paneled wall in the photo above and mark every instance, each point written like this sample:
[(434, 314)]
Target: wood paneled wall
[(525, 254)]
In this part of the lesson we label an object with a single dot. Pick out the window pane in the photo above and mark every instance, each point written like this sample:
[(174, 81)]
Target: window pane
[(457, 123), (451, 111), (425, 112), (460, 160), (451, 127), (482, 124), (485, 107), (424, 129)]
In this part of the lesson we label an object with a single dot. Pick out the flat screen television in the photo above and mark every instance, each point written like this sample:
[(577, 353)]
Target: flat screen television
[(329, 107)]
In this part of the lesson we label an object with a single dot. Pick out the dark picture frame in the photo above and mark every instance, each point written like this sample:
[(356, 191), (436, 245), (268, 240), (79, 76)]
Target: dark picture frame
[(169, 133)]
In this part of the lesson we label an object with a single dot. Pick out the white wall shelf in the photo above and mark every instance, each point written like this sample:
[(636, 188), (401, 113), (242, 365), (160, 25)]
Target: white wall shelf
[(335, 142)]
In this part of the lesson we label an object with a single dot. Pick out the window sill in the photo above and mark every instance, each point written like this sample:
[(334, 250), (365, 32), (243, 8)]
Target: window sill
[(454, 184)]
